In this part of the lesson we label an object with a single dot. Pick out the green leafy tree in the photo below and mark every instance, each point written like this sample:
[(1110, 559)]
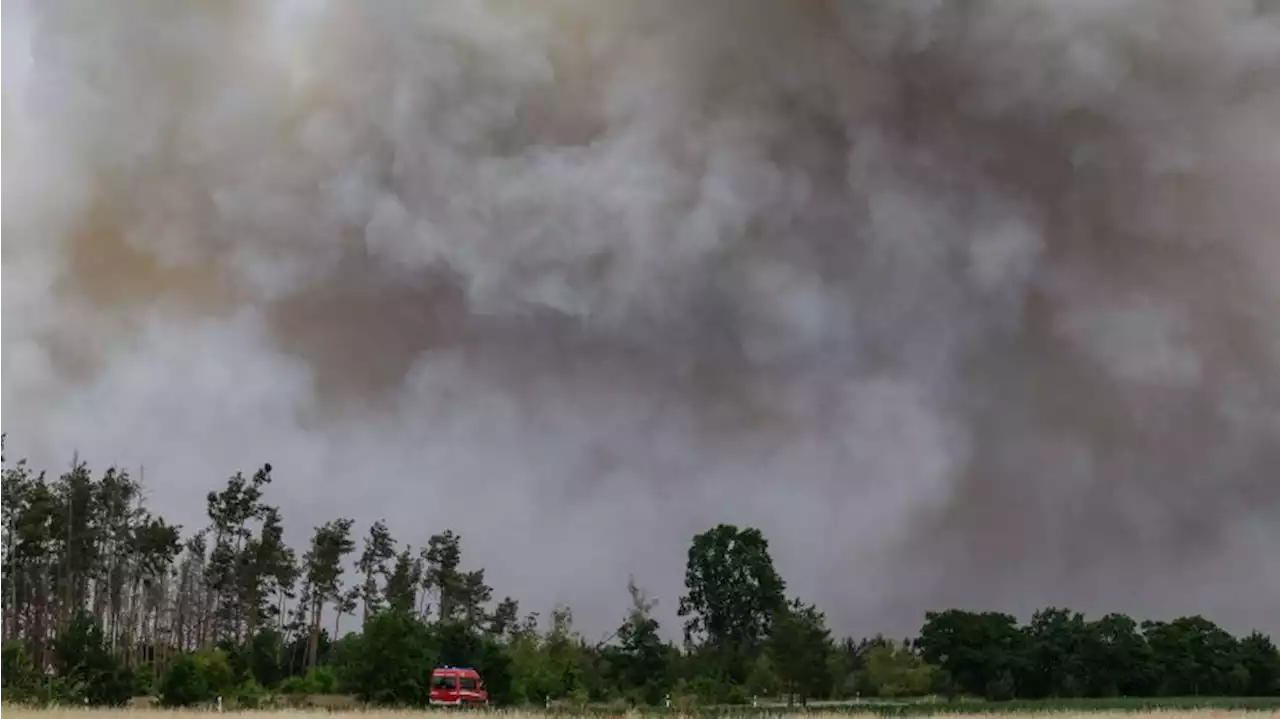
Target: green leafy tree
[(183, 685), (379, 548), (1194, 656), (1057, 645), (234, 578), (264, 658), (391, 661), (473, 596), (459, 594), (554, 665), (345, 603), (763, 679), (89, 527), (14, 482), (1261, 663), (269, 572), (402, 585), (104, 599), (442, 558), (800, 645), (732, 595), (984, 652), (124, 531), (323, 577), (893, 671), (496, 666), (642, 656), (82, 658), (503, 621), (197, 678), (1117, 657)]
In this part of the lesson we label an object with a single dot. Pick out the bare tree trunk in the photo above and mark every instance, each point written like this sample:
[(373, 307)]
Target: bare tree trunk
[(40, 631), (313, 647)]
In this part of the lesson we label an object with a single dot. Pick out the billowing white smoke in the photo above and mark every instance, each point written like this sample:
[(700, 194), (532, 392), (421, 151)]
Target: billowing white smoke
[(961, 302)]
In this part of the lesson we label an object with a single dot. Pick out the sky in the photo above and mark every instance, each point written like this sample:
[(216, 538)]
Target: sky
[(964, 304)]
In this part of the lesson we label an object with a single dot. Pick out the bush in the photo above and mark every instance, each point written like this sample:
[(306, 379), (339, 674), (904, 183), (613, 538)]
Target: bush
[(895, 672), (183, 684), (391, 662), (92, 674), (197, 678), (320, 680), (263, 658), (18, 674), (295, 685), (215, 667), (323, 680), (143, 680), (737, 694), (249, 695)]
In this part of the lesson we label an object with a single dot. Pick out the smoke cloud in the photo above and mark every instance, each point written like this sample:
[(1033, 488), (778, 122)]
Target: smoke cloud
[(963, 303)]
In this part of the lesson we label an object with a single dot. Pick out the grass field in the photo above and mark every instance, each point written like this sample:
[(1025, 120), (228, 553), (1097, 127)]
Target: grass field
[(1006, 710), (1131, 707), (1189, 708)]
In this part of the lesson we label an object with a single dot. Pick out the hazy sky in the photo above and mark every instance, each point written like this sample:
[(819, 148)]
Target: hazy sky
[(962, 303)]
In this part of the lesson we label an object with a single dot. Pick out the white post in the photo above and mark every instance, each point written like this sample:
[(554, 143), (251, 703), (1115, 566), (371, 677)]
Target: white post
[(219, 705)]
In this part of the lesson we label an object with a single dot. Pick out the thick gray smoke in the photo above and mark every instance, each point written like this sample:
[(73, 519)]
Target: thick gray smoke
[(962, 302)]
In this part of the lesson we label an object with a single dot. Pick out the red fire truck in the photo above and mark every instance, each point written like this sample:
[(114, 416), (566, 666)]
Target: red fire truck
[(457, 687)]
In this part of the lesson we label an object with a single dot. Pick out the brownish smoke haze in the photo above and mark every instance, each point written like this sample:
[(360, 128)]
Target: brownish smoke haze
[(961, 302)]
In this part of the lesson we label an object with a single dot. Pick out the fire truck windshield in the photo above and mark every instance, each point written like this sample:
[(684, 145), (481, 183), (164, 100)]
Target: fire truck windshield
[(445, 682)]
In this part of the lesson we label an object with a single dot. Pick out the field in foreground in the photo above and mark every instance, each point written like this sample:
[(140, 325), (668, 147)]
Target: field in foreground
[(992, 711), (26, 713)]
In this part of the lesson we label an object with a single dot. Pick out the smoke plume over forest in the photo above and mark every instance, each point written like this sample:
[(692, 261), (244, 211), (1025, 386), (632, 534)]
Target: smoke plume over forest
[(964, 303)]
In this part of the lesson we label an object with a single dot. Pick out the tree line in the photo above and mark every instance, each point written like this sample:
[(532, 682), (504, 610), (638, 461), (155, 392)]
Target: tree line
[(104, 601)]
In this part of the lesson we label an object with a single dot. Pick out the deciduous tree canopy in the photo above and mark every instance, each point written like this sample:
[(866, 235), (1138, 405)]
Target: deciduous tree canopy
[(104, 600)]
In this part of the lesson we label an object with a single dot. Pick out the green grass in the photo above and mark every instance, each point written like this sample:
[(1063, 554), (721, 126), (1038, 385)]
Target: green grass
[(1084, 705), (1168, 708), (925, 708)]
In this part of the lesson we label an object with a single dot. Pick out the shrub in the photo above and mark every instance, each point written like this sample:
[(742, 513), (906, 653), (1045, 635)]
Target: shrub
[(215, 667), (320, 680), (184, 685), (18, 674), (249, 695)]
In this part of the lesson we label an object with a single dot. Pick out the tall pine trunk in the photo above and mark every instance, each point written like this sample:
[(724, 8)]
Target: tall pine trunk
[(313, 646)]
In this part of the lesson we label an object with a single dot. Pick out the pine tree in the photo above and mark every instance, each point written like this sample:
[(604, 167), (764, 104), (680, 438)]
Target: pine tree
[(402, 586), (378, 548), (323, 574)]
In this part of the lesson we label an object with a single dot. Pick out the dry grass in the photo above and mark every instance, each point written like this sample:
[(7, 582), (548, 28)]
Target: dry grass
[(24, 713)]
